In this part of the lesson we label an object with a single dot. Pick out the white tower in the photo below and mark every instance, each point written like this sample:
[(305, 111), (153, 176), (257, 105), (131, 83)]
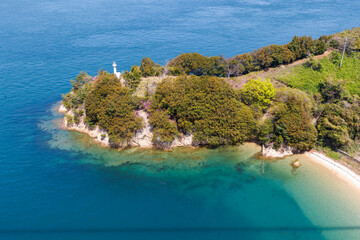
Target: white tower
[(117, 74)]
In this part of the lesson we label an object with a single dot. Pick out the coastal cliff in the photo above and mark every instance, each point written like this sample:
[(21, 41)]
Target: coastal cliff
[(142, 139)]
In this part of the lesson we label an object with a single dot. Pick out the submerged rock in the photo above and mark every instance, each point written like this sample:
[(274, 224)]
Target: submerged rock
[(296, 164)]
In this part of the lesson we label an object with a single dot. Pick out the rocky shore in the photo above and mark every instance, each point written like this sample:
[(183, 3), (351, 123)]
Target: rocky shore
[(142, 138), (270, 152)]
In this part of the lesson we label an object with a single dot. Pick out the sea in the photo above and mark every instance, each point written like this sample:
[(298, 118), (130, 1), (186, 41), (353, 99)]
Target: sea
[(56, 184)]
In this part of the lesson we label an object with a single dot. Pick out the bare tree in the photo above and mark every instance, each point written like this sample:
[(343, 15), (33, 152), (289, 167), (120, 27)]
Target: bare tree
[(232, 67), (166, 69)]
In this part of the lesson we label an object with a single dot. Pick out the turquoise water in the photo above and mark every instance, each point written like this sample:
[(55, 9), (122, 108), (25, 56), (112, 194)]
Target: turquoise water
[(56, 184)]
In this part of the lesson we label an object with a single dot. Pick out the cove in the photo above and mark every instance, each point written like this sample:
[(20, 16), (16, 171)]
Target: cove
[(58, 185)]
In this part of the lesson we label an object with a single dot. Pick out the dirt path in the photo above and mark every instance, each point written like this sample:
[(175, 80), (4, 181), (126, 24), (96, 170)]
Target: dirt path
[(238, 82)]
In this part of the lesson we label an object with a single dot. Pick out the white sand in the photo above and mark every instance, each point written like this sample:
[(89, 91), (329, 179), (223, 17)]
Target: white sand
[(335, 167)]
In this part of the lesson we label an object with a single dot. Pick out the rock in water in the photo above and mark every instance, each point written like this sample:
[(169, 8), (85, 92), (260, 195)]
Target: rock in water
[(295, 164)]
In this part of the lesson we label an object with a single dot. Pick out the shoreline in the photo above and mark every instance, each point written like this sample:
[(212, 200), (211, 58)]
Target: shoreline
[(141, 139), (337, 168)]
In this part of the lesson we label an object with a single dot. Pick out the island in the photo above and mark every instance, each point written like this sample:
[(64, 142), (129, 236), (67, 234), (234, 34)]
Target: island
[(287, 98)]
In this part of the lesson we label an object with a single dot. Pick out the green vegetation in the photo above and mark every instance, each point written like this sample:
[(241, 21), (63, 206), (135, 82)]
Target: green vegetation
[(132, 78), (149, 68), (199, 65), (79, 91), (330, 153), (353, 37), (339, 125), (316, 103), (165, 130), (308, 78), (207, 107), (109, 105), (258, 92), (69, 119), (290, 121), (269, 56)]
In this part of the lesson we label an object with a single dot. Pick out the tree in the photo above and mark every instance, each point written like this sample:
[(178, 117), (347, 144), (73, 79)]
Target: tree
[(133, 77), (292, 119), (300, 46), (334, 44), (165, 130), (264, 57), (207, 107), (232, 67), (109, 105), (332, 91), (319, 47), (333, 131), (189, 63), (258, 92), (79, 91), (281, 55), (80, 80), (146, 67), (249, 62)]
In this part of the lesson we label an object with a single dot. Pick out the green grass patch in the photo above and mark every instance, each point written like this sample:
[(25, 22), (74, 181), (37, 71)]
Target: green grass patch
[(330, 153), (308, 80)]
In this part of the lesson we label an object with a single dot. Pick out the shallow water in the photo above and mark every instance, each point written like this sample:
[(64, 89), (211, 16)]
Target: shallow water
[(56, 184)]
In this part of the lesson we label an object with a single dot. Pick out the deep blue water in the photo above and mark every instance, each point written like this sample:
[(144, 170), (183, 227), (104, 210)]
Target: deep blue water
[(53, 186)]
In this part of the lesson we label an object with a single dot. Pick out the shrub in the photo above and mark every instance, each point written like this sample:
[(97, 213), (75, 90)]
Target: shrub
[(258, 92), (335, 58), (314, 65), (69, 119), (334, 44), (165, 131), (76, 119)]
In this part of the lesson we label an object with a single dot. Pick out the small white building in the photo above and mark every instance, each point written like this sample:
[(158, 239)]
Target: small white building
[(117, 74)]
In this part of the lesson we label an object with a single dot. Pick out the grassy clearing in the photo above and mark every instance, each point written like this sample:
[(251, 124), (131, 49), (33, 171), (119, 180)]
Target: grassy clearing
[(308, 80)]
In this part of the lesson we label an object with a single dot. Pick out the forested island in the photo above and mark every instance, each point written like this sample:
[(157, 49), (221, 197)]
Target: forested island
[(288, 98)]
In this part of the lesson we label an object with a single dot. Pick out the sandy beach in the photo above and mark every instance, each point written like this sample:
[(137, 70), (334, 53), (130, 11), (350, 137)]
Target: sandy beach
[(335, 167)]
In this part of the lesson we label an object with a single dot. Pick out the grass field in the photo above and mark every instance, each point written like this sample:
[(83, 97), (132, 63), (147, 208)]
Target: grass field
[(307, 79)]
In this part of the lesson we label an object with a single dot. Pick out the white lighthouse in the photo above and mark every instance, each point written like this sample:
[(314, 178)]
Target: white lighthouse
[(117, 74)]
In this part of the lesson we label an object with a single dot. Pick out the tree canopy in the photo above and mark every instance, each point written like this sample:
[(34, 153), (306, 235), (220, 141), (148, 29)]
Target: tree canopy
[(109, 105), (258, 92), (290, 123), (207, 107)]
